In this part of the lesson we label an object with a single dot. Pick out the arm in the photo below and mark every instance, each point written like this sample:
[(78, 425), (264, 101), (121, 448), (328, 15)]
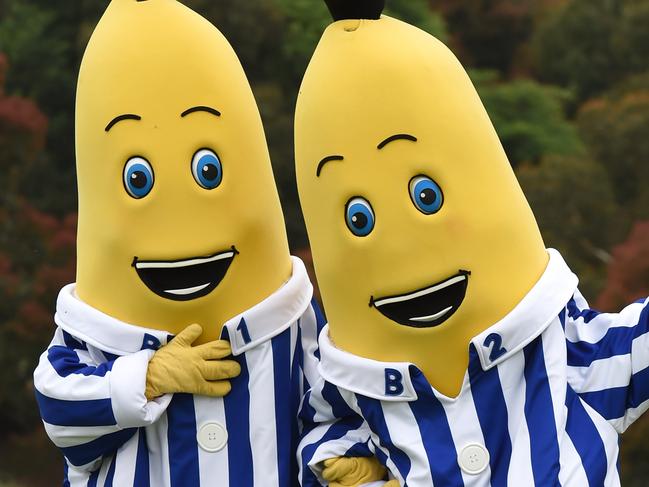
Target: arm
[(91, 407), (73, 391), (608, 359), (332, 429)]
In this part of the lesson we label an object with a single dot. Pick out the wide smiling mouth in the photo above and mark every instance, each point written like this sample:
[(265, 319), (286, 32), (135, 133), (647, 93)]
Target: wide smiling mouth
[(185, 279), (426, 307)]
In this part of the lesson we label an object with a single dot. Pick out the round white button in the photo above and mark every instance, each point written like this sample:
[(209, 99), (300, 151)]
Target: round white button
[(473, 458), (212, 437)]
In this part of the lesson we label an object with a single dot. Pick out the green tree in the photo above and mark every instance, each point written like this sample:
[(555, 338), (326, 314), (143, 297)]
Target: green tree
[(44, 41), (528, 117), (589, 45), (575, 207), (615, 129), (489, 34)]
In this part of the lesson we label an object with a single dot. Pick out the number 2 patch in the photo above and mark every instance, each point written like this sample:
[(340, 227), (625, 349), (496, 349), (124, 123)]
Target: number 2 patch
[(496, 342)]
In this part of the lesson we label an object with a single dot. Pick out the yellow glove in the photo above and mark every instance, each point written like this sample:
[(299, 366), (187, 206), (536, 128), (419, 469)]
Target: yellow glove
[(179, 367), (391, 483), (354, 471)]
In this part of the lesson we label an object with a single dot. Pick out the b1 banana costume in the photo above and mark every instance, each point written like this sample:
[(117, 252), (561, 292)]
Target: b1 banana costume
[(181, 235), (459, 351)]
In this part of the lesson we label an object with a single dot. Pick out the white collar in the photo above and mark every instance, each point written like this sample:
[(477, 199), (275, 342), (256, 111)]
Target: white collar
[(264, 320), (101, 330), (273, 315), (531, 316)]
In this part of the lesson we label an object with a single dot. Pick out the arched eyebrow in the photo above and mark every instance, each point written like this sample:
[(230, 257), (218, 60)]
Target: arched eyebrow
[(327, 159), (121, 118), (201, 108), (392, 138)]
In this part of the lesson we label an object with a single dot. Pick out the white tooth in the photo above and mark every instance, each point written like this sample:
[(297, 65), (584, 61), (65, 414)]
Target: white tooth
[(183, 263), (432, 317), (423, 292), (186, 291)]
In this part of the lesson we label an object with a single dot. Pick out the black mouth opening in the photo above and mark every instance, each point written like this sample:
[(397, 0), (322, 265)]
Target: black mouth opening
[(426, 307), (186, 279)]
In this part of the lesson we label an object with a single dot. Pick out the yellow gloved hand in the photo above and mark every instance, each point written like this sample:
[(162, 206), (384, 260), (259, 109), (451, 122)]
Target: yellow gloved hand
[(353, 471), (391, 483), (179, 367)]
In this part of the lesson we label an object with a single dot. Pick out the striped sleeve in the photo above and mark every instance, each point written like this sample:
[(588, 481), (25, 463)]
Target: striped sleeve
[(90, 406), (608, 359), (331, 429)]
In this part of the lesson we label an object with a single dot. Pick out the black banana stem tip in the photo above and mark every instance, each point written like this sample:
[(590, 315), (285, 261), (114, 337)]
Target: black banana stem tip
[(355, 9)]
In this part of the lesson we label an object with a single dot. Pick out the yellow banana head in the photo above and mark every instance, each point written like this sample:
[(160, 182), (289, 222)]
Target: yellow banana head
[(421, 235), (179, 218)]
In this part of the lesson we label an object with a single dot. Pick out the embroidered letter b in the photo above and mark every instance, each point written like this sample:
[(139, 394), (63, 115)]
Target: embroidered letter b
[(393, 382)]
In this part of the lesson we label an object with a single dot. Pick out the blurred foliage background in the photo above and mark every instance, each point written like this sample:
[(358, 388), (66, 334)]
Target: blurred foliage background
[(565, 81)]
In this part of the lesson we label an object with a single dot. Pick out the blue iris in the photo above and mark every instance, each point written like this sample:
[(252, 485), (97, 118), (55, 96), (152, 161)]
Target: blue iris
[(138, 177), (359, 216), (426, 195), (207, 169)]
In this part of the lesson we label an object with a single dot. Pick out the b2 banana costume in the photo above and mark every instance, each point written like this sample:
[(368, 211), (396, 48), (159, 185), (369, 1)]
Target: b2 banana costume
[(459, 351), (180, 234)]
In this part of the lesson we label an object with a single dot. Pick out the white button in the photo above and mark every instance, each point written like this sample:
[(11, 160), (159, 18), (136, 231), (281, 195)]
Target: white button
[(473, 458), (212, 437)]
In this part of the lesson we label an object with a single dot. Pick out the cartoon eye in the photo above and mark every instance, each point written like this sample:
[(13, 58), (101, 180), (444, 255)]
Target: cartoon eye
[(426, 194), (138, 177), (359, 216), (207, 169)]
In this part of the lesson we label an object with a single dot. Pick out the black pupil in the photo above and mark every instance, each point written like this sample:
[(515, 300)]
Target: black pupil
[(359, 220), (138, 179), (428, 196), (210, 172)]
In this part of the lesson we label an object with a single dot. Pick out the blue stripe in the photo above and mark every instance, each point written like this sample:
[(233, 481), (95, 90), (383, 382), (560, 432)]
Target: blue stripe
[(380, 454), (359, 450), (181, 436), (586, 438), (110, 357), (237, 417), (96, 412), (613, 403), (336, 431), (103, 446), (339, 407), (66, 362), (284, 416), (142, 462), (491, 407), (435, 433), (296, 397), (373, 413), (539, 414), (72, 342), (320, 321), (616, 341), (66, 480), (307, 415), (92, 480), (110, 476), (586, 314)]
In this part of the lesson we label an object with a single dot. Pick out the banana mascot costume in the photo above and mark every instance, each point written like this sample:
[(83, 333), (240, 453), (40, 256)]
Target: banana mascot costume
[(181, 236), (459, 351)]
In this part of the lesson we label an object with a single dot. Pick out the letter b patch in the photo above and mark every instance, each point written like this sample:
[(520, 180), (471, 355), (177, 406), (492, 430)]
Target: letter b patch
[(393, 382)]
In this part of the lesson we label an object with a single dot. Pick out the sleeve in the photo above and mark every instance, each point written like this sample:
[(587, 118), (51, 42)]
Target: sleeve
[(331, 429), (608, 359), (91, 407)]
